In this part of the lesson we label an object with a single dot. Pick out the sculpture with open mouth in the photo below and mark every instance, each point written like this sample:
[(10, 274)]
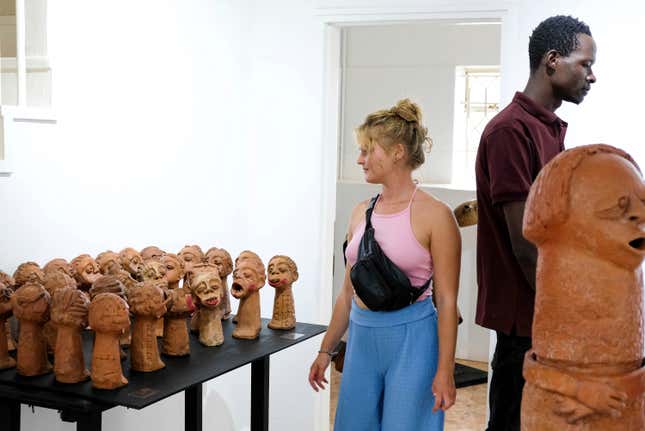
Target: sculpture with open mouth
[(248, 279), (207, 292)]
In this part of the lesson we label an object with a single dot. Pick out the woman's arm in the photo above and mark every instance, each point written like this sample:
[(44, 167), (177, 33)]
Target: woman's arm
[(445, 247)]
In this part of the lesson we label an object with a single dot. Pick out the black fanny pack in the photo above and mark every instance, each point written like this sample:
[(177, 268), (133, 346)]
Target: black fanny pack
[(378, 282)]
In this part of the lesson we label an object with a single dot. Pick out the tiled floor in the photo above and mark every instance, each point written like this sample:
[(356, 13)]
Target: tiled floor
[(468, 413)]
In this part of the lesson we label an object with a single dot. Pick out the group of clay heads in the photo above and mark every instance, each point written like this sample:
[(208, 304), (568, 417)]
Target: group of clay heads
[(55, 303)]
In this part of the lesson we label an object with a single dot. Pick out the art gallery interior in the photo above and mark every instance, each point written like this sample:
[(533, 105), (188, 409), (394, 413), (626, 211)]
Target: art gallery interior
[(230, 123)]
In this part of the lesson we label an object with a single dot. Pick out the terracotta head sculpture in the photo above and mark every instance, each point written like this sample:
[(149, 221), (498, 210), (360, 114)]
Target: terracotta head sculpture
[(152, 253), (109, 316), (7, 280), (58, 265), (28, 272), (148, 303), (131, 261), (108, 284), (207, 292), (466, 213), (222, 260), (6, 361), (586, 215), (174, 269), (154, 270), (191, 255), (30, 305), (108, 262), (86, 271), (69, 313), (282, 272), (58, 280), (248, 279)]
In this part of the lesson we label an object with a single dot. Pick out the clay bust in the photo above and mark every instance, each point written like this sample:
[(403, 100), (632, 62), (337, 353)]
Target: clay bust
[(69, 313), (175, 331), (30, 305), (152, 253), (6, 361), (155, 272), (109, 317), (586, 213), (58, 265), (54, 281), (147, 303), (248, 279), (112, 284), (86, 271), (191, 255), (282, 273), (466, 213), (222, 260), (28, 272), (131, 261), (174, 269), (207, 292)]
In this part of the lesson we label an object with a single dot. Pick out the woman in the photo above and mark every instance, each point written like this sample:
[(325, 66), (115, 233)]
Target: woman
[(398, 370)]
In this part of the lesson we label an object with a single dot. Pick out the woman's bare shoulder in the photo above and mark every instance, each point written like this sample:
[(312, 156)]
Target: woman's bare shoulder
[(358, 215), (433, 210)]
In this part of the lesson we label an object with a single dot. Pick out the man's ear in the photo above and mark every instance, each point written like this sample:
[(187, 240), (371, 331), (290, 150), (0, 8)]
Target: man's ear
[(551, 59)]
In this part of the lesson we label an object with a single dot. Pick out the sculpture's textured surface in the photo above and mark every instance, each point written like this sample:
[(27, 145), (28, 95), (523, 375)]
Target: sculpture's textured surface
[(86, 271), (69, 313), (131, 261), (30, 305), (109, 317), (175, 331), (148, 304), (28, 272), (248, 278), (191, 255), (6, 361), (222, 260), (54, 281), (58, 265), (282, 273), (207, 291), (586, 214), (106, 260), (152, 253)]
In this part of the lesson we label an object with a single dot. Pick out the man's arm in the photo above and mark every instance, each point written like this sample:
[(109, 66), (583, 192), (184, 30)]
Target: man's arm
[(524, 251)]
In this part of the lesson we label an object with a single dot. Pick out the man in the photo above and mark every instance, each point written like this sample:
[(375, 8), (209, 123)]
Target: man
[(513, 148)]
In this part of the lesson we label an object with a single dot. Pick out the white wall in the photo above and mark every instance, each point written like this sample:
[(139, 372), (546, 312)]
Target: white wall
[(387, 63)]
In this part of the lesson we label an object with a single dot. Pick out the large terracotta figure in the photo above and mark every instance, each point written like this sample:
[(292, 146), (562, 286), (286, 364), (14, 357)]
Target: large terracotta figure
[(282, 273), (222, 260), (54, 281), (109, 317), (147, 303), (176, 341), (28, 272), (248, 279), (30, 305), (6, 361), (86, 271), (207, 292), (69, 314), (152, 253), (131, 261), (586, 214)]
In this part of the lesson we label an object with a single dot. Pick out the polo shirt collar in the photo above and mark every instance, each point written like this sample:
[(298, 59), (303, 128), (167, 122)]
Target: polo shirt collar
[(538, 111)]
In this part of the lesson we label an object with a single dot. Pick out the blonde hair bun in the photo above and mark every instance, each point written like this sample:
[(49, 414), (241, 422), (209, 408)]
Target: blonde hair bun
[(407, 110)]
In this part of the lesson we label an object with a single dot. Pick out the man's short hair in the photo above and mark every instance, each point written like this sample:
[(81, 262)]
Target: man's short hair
[(558, 33)]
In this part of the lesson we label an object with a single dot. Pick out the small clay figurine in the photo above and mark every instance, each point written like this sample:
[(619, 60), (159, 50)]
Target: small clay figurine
[(54, 281), (6, 361), (30, 305), (109, 317), (222, 260), (248, 279), (106, 260), (131, 261), (26, 272), (174, 269), (176, 341), (586, 214), (147, 303), (69, 313), (282, 273), (155, 272), (152, 253), (191, 255), (9, 282), (58, 265), (206, 288), (466, 213), (86, 271), (112, 284)]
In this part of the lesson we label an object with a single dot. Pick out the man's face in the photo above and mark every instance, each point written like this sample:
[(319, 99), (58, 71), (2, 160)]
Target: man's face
[(279, 273), (607, 210), (245, 280), (573, 76), (208, 291)]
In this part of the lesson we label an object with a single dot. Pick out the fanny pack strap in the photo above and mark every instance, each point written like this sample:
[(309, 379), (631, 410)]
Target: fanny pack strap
[(415, 293)]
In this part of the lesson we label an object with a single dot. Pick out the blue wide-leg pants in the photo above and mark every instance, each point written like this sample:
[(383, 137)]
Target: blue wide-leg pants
[(390, 363)]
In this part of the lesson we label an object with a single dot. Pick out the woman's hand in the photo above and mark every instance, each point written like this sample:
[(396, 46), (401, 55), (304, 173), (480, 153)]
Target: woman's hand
[(444, 391), (317, 378)]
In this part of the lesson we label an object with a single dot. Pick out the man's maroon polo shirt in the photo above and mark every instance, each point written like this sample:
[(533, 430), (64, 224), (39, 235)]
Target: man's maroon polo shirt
[(514, 146)]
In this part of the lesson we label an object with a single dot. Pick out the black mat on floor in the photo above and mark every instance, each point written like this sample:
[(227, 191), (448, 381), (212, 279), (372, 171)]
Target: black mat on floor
[(469, 376)]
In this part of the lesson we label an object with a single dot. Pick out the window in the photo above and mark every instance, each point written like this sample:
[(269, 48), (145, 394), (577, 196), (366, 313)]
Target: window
[(477, 91)]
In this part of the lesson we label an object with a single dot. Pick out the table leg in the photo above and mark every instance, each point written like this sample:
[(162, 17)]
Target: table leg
[(88, 421), (10, 409), (193, 408), (260, 394)]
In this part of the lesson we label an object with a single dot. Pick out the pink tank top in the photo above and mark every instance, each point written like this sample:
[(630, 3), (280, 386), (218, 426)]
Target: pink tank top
[(394, 234)]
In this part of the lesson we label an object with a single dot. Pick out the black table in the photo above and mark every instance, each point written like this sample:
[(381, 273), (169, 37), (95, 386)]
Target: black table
[(84, 405)]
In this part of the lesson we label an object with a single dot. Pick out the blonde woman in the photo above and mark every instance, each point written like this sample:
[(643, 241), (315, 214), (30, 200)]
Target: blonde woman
[(398, 371)]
